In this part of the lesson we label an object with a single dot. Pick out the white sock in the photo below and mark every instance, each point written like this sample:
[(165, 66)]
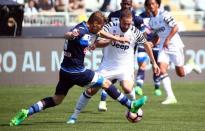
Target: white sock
[(40, 105), (188, 68), (80, 105), (167, 86), (131, 95)]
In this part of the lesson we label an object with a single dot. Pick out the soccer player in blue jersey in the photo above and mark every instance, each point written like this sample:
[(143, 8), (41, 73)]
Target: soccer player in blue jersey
[(142, 57), (73, 71)]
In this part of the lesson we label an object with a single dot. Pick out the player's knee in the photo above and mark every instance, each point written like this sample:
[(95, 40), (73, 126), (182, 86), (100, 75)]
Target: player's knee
[(92, 91), (180, 72), (106, 84), (58, 99)]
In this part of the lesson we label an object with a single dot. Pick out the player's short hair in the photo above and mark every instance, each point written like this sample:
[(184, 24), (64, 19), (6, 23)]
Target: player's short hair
[(146, 2), (125, 1), (96, 16), (126, 13)]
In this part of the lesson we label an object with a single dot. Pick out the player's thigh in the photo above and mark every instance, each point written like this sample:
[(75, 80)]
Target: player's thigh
[(110, 74), (177, 58), (163, 57), (127, 85), (127, 80), (163, 60), (87, 78), (66, 81)]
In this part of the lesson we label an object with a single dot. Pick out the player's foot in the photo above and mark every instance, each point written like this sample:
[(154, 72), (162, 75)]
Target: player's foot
[(71, 121), (137, 104), (19, 117), (157, 92), (138, 91), (170, 101), (102, 106), (196, 67)]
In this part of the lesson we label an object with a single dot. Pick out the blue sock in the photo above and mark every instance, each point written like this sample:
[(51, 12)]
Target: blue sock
[(140, 77), (156, 81), (35, 108), (117, 95), (103, 95)]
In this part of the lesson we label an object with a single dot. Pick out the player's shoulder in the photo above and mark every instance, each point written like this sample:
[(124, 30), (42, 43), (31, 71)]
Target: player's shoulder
[(112, 24), (164, 13), (115, 13), (134, 29), (81, 27)]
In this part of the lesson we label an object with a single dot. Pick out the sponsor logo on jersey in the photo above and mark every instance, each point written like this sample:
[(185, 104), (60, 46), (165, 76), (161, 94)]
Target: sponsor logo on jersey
[(161, 29), (121, 46)]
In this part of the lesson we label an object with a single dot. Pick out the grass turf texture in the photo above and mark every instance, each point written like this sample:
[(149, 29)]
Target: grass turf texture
[(187, 115)]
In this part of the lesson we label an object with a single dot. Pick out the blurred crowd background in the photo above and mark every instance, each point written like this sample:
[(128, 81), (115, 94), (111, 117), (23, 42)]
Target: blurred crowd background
[(190, 14)]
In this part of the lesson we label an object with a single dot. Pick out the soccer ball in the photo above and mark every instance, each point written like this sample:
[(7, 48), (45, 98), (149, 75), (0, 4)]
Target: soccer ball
[(134, 117)]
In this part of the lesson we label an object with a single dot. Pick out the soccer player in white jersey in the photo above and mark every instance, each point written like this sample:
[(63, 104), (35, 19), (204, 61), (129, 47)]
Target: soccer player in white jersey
[(118, 59), (171, 47)]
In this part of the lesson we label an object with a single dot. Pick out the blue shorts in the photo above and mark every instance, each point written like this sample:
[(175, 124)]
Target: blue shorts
[(68, 80), (143, 57)]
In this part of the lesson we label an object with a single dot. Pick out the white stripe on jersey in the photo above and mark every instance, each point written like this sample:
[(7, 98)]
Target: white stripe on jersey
[(121, 55)]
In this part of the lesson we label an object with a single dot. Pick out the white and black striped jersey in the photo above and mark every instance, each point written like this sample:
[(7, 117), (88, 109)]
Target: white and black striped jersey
[(162, 24), (121, 55)]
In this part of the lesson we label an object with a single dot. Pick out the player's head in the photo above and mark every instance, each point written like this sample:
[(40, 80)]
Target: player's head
[(125, 20), (147, 10), (96, 22), (126, 4), (152, 5)]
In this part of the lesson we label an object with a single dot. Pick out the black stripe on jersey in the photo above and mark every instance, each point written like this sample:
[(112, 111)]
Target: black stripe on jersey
[(140, 37), (109, 24), (169, 20), (106, 29)]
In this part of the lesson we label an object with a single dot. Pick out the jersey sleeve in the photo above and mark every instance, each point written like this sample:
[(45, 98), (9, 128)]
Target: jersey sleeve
[(140, 39), (169, 19), (108, 26), (80, 29), (138, 21)]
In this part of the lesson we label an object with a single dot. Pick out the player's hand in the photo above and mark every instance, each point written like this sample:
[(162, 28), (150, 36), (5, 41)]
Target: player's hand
[(91, 47), (156, 68), (74, 33), (166, 43)]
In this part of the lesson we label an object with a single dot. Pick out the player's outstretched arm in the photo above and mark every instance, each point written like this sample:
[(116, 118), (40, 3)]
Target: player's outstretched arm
[(148, 48), (107, 35), (102, 43)]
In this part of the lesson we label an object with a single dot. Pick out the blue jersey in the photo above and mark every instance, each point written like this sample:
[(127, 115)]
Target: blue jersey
[(137, 21), (75, 49)]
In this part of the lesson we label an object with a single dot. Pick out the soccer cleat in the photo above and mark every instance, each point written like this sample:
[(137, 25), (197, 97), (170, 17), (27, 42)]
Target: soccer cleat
[(196, 67), (71, 121), (138, 91), (157, 92), (170, 101), (135, 105), (19, 117), (102, 106)]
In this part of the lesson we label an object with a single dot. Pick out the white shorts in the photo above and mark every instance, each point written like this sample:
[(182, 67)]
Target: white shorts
[(176, 56), (120, 75)]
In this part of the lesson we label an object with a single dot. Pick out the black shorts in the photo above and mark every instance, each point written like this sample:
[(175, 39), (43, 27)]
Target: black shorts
[(68, 80)]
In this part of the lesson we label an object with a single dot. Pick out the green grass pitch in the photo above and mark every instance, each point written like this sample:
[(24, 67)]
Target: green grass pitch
[(187, 115)]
